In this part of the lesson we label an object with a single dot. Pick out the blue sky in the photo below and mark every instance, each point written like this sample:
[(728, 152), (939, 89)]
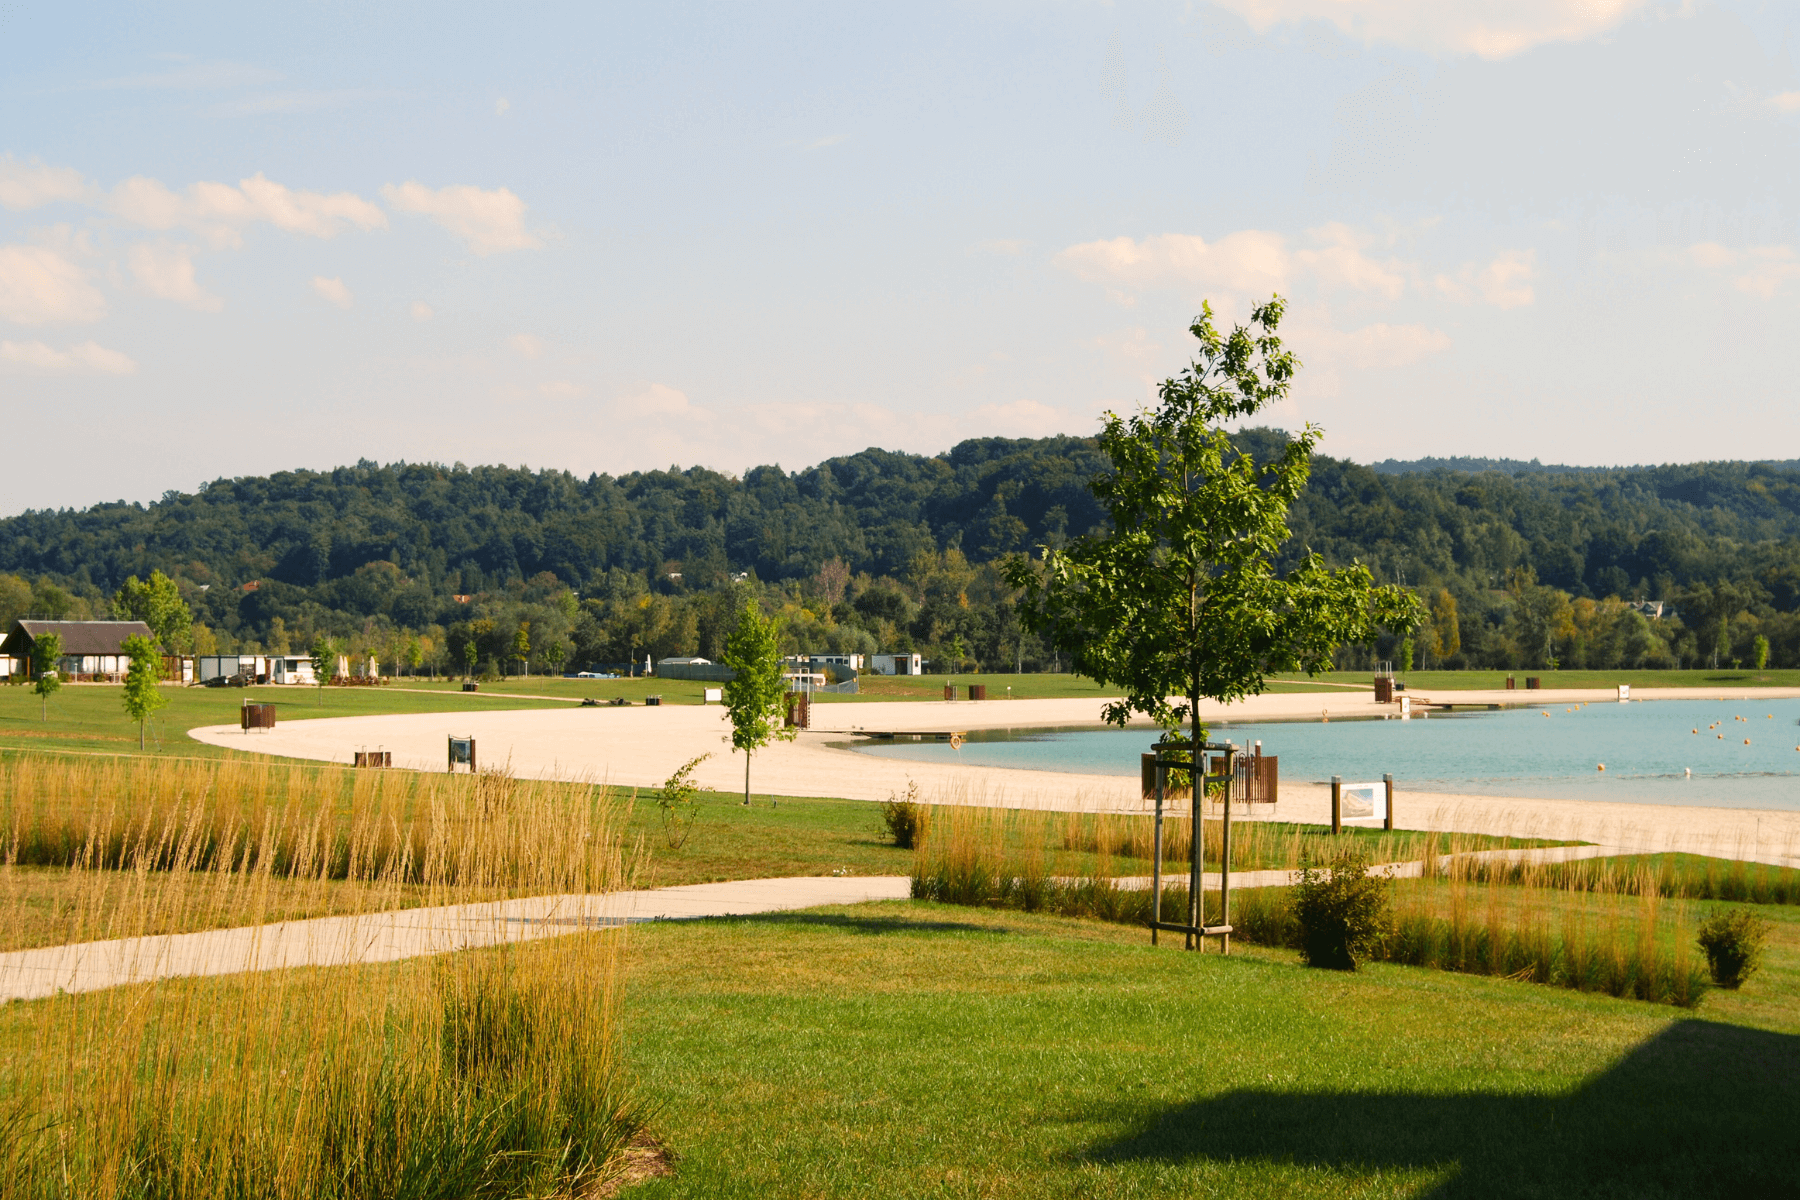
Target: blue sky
[(604, 238)]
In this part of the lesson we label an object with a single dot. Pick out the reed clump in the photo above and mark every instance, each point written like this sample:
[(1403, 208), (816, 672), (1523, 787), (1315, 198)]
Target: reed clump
[(485, 1072), (1624, 940)]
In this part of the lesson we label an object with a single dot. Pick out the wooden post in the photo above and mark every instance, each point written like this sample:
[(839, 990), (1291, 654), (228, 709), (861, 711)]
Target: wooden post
[(1197, 843), (1225, 848), (1388, 821), (1156, 857), (450, 755), (472, 756), (1337, 804)]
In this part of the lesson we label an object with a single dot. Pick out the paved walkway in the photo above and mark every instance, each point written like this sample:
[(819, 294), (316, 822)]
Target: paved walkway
[(409, 933), (414, 932)]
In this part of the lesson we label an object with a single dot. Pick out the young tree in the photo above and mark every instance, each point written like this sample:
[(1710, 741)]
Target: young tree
[(1443, 636), (141, 696), (159, 605), (756, 695), (45, 650), (521, 646), (471, 652), (415, 654), (554, 654), (1759, 652), (323, 657), (1180, 601)]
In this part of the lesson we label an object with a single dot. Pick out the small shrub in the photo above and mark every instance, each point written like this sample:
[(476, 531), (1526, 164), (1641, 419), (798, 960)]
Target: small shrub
[(904, 817), (1341, 910), (1733, 941), (680, 803)]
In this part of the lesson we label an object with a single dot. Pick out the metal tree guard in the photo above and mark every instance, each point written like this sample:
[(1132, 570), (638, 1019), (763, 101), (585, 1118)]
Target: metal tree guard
[(1195, 929)]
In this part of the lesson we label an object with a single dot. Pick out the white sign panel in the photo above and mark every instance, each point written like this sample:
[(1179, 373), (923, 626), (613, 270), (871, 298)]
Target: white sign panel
[(715, 695), (1360, 801)]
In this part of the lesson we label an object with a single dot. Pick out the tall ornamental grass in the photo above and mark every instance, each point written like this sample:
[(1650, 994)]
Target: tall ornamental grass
[(481, 1073), (1625, 940)]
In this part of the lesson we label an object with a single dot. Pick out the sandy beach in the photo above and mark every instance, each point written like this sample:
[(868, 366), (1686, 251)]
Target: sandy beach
[(640, 746)]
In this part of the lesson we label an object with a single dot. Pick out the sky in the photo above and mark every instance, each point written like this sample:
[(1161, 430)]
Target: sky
[(240, 239)]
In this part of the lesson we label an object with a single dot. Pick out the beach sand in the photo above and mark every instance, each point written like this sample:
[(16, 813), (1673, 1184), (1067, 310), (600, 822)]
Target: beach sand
[(641, 746)]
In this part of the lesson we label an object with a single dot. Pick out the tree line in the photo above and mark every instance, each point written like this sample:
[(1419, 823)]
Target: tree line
[(432, 567)]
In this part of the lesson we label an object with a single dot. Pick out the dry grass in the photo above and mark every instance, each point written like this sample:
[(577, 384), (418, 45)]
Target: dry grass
[(483, 1073)]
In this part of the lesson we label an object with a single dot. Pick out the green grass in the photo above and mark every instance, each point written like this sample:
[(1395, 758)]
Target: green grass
[(1455, 681), (90, 716), (1041, 687), (919, 1050)]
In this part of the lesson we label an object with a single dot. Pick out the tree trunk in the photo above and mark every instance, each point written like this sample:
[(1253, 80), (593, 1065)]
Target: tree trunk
[(140, 735), (746, 779)]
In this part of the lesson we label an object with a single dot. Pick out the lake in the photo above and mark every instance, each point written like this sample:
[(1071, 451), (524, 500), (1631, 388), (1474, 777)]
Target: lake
[(1552, 751)]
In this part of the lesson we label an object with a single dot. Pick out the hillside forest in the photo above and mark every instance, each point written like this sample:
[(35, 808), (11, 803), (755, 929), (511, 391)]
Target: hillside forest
[(431, 567)]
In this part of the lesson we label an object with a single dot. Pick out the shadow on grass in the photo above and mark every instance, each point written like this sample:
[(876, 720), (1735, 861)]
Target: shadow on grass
[(1699, 1110), (869, 925)]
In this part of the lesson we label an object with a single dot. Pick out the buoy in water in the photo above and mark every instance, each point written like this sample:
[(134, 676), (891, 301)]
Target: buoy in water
[(1746, 741), (1688, 771), (1603, 766)]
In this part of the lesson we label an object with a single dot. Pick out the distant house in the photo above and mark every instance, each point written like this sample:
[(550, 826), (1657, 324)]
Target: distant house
[(897, 664), (1656, 610), (89, 648)]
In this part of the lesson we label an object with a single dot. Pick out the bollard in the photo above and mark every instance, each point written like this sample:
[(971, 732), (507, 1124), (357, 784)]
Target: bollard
[(1387, 822), (1337, 804)]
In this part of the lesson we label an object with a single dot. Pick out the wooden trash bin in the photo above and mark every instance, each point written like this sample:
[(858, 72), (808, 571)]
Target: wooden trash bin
[(1533, 683), (257, 716), (978, 691), (1384, 689), (949, 691)]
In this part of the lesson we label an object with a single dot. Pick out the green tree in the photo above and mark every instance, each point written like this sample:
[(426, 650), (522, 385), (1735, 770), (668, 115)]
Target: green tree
[(159, 605), (521, 646), (1180, 600), (141, 695), (554, 654), (1444, 633), (415, 653), (755, 697), (323, 657), (1759, 652), (1406, 655), (45, 650)]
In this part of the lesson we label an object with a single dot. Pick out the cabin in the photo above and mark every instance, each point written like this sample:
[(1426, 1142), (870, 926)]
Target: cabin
[(897, 664), (91, 650)]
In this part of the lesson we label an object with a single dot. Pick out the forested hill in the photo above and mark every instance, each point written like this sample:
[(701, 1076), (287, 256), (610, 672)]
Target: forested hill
[(369, 545)]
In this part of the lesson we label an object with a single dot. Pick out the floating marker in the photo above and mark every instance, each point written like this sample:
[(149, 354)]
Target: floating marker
[(1746, 741), (1688, 771), (1603, 766), (1693, 731)]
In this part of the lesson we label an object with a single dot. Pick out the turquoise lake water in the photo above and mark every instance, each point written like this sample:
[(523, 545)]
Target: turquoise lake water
[(1646, 746)]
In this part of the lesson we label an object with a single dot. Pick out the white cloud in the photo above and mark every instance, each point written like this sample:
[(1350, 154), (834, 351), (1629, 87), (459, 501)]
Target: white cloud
[(222, 211), (38, 286), (1486, 28), (1756, 270), (1786, 102), (527, 345), (333, 290), (657, 398), (491, 222), (1028, 418), (1248, 263), (421, 311), (25, 185), (1505, 282), (168, 271), (1373, 347), (1337, 259), (1251, 260), (36, 358), (562, 389)]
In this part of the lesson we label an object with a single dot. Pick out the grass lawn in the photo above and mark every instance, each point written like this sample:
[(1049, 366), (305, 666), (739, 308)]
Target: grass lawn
[(919, 1050), (1037, 687), (91, 717)]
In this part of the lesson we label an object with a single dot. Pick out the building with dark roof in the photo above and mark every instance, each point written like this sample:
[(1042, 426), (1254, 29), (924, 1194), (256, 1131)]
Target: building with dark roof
[(89, 648)]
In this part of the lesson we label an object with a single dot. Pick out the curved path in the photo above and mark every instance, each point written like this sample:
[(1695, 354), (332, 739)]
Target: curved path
[(641, 746)]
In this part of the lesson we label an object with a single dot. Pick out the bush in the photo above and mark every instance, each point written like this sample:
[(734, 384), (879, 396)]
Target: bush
[(1341, 910), (904, 817), (1733, 940), (679, 802)]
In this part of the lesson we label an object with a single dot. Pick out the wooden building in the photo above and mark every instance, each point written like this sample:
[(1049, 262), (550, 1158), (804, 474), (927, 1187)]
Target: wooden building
[(90, 649)]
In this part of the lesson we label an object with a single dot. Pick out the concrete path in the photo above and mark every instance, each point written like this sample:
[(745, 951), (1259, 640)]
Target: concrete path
[(409, 933)]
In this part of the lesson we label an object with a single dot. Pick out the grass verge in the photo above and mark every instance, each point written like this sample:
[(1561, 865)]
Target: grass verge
[(915, 1050)]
